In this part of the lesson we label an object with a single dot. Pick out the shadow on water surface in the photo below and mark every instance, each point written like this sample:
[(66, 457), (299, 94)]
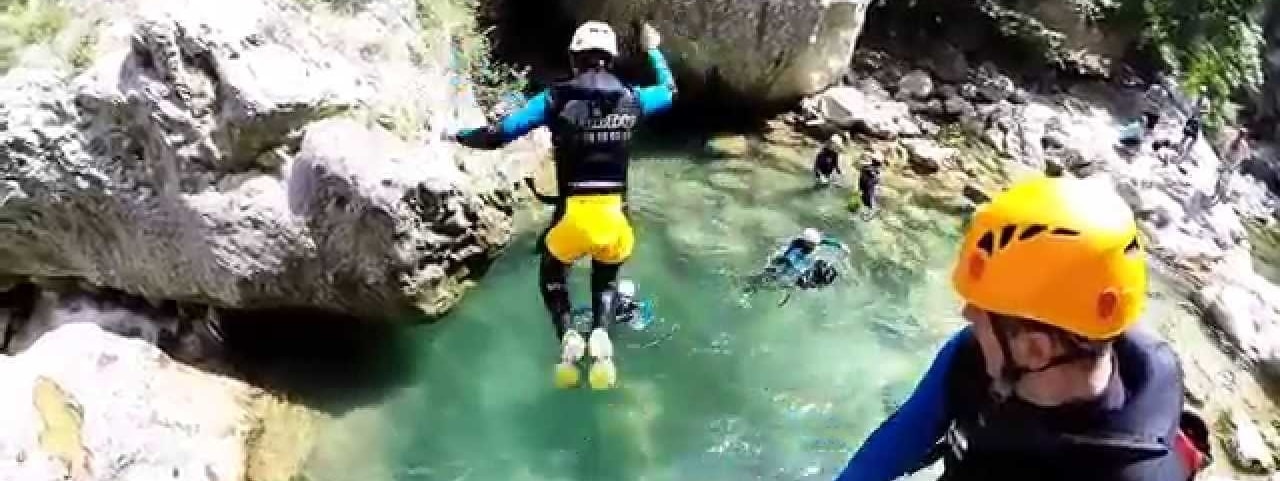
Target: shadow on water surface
[(330, 362)]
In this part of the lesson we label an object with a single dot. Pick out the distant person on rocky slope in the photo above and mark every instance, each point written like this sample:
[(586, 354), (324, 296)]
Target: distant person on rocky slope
[(1238, 151), (1050, 380), (591, 117), (1193, 126)]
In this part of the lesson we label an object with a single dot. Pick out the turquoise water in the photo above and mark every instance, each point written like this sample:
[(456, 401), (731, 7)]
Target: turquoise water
[(721, 387)]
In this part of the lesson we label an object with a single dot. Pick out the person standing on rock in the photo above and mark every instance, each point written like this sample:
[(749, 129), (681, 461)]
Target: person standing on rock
[(591, 117), (1237, 152), (1191, 129), (1050, 380), (827, 163)]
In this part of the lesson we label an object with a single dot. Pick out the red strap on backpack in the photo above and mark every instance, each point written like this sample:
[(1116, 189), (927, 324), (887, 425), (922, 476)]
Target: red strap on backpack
[(1191, 457)]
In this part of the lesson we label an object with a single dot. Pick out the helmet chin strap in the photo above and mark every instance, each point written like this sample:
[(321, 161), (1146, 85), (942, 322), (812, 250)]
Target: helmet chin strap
[(1010, 373)]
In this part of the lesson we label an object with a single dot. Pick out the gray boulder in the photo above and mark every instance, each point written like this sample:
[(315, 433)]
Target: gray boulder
[(202, 162), (927, 157), (915, 85), (759, 49), (850, 108)]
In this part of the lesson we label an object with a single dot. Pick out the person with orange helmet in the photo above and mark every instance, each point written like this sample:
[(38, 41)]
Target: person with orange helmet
[(1050, 379)]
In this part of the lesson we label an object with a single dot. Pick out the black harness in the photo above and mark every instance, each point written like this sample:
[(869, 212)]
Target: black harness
[(1126, 435), (595, 114)]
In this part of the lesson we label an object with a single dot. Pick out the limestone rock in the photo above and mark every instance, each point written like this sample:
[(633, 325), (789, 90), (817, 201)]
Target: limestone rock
[(1245, 446), (948, 63), (872, 87), (86, 405), (759, 49), (195, 164), (848, 107), (916, 85), (1247, 308), (728, 146), (992, 85), (959, 108), (927, 157)]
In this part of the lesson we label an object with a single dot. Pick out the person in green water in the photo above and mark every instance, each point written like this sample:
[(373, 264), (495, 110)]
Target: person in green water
[(797, 265), (591, 117)]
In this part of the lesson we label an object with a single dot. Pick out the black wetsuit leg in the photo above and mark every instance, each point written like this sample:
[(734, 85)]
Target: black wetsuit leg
[(867, 187), (604, 288), (824, 165), (552, 279)]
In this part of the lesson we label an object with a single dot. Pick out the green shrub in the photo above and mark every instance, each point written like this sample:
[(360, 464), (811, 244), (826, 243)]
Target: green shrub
[(470, 49), (82, 54), (1206, 43), (25, 22)]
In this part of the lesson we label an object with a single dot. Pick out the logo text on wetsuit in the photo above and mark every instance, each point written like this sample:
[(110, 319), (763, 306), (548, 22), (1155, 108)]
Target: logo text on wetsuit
[(610, 128)]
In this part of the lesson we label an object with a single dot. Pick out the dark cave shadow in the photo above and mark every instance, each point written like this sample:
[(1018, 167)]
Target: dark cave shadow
[(330, 362)]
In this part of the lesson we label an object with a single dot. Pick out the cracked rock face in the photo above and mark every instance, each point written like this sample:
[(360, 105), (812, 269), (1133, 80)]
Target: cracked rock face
[(218, 156), (762, 50)]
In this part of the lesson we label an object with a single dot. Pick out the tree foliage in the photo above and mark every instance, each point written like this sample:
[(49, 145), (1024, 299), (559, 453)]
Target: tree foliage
[(1213, 44)]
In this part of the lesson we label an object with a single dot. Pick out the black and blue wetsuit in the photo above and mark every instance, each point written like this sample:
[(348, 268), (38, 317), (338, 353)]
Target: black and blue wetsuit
[(538, 112), (1130, 433), (826, 164), (591, 118)]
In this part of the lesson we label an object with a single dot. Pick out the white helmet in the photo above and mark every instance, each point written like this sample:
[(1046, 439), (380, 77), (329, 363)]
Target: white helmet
[(812, 236), (626, 288), (594, 35), (836, 140)]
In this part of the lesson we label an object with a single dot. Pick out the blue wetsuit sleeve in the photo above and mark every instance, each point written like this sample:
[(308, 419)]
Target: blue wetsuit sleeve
[(657, 98), (903, 440), (513, 126), (523, 121)]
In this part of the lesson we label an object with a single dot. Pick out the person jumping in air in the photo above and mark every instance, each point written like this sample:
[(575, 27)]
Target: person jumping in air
[(591, 117), (1050, 380)]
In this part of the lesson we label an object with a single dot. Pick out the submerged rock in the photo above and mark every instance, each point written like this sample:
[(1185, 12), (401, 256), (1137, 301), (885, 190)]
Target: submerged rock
[(728, 146), (190, 165), (86, 405)]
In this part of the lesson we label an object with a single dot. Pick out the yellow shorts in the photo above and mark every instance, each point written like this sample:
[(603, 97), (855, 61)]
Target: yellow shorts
[(592, 225)]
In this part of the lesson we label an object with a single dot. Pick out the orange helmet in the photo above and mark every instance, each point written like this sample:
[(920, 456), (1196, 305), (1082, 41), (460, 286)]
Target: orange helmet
[(1063, 252)]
